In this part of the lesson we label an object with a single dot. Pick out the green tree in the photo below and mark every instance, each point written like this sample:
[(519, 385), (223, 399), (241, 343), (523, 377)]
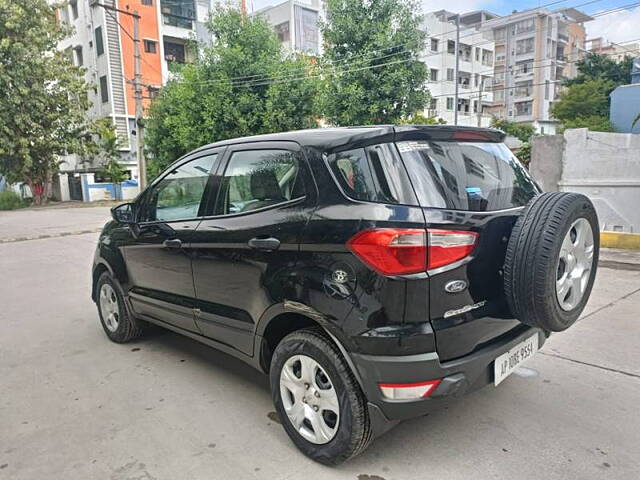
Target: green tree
[(419, 119), (371, 62), (242, 84), (522, 131), (43, 97), (602, 67), (108, 148), (585, 105)]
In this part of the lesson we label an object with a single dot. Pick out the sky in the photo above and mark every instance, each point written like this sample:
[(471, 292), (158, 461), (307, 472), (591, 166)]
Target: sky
[(615, 27)]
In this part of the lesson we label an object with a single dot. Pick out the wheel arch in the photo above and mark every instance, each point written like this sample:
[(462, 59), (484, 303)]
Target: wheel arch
[(282, 319)]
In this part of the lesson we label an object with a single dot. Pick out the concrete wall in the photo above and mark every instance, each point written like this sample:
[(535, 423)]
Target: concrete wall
[(546, 160), (603, 166)]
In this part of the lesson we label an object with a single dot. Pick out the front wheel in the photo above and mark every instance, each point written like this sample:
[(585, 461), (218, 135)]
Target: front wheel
[(118, 323), (318, 399)]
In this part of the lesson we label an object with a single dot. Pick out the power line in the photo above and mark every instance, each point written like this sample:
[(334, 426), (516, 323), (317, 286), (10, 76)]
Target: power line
[(238, 82)]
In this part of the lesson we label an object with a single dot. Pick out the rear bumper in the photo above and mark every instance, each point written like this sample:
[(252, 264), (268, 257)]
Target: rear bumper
[(459, 376)]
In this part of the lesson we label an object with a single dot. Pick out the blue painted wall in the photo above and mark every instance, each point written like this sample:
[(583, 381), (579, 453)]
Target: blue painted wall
[(625, 107)]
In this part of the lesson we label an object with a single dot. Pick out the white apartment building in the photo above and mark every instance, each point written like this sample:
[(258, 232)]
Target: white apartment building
[(535, 50), (102, 44), (476, 58), (296, 24)]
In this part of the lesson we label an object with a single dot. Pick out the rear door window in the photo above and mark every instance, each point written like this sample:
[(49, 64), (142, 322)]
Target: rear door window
[(374, 174), (471, 176)]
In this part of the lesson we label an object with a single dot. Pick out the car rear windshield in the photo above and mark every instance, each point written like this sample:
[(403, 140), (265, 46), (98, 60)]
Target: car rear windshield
[(472, 176)]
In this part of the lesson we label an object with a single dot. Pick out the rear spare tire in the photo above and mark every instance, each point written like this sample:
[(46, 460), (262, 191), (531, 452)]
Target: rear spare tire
[(551, 260)]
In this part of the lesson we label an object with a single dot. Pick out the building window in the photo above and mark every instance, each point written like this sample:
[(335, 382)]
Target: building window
[(475, 106), (150, 46), (147, 2), (179, 13), (104, 89), (500, 34), (282, 31), (525, 26), (153, 91), (546, 89), (435, 44), (451, 47), (524, 108), (73, 5), (476, 78), (487, 57), (524, 67), (433, 103), (433, 75), (478, 54), (449, 103), (450, 74), (525, 45), (79, 60), (174, 52), (99, 42)]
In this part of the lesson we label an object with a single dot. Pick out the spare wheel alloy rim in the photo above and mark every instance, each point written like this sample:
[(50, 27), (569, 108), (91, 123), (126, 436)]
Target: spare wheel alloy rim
[(309, 399), (574, 264)]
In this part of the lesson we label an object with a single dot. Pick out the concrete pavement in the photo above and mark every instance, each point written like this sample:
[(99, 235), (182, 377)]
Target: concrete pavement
[(75, 406)]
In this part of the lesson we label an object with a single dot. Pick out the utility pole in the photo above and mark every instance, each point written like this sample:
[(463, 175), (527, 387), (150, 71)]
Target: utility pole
[(480, 101), (243, 8), (455, 100), (137, 91)]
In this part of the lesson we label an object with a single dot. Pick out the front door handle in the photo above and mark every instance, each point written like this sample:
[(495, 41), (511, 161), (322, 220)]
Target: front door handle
[(264, 244), (172, 243)]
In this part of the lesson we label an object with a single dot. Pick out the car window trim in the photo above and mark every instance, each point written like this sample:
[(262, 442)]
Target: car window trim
[(219, 151)]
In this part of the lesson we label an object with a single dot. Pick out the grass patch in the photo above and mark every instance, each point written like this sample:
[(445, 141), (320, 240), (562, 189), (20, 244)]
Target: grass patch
[(11, 201)]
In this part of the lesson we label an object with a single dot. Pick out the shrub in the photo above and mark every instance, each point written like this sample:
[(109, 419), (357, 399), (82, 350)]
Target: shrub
[(10, 201)]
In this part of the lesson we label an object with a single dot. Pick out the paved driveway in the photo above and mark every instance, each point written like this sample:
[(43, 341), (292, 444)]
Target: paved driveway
[(75, 406)]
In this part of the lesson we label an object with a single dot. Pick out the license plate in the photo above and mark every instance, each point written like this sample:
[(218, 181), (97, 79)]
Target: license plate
[(506, 363)]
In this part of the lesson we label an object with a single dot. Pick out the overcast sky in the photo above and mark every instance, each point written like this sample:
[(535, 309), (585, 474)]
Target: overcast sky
[(616, 27)]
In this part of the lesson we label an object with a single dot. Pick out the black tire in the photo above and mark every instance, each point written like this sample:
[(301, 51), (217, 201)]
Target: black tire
[(532, 259), (353, 433), (129, 328)]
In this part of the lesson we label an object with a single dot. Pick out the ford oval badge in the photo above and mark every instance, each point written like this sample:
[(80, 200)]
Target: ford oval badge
[(455, 286)]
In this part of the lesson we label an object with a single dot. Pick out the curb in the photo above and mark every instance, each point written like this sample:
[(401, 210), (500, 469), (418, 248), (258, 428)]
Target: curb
[(628, 241)]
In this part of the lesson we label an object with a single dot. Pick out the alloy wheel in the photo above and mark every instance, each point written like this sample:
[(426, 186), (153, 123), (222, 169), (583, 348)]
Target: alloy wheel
[(574, 264), (309, 399), (109, 307)]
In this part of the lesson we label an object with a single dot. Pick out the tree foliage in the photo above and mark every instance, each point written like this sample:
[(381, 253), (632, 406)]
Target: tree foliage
[(602, 67), (522, 131), (242, 84), (419, 119), (371, 61), (108, 147), (585, 104), (585, 100), (43, 97)]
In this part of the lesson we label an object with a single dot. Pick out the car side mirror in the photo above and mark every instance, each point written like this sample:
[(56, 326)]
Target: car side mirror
[(123, 213)]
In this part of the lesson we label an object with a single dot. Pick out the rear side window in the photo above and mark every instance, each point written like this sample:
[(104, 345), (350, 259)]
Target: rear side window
[(257, 179), (372, 174), (471, 176)]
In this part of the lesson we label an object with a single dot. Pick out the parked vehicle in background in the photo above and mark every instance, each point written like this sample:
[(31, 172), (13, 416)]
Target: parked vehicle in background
[(374, 273)]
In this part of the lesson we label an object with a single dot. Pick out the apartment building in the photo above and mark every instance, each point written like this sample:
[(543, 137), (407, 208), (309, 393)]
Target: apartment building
[(534, 51), (476, 58), (615, 51), (102, 43), (296, 24)]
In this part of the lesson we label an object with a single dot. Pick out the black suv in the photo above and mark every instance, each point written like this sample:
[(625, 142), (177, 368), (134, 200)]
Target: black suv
[(373, 273)]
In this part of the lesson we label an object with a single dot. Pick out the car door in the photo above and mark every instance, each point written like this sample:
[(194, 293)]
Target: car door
[(158, 257), (245, 252)]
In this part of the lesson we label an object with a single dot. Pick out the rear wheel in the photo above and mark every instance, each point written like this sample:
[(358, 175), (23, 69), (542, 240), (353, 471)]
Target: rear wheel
[(118, 323), (318, 399), (551, 260)]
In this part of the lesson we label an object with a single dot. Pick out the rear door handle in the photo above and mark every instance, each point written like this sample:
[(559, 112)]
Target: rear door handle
[(172, 243), (264, 244)]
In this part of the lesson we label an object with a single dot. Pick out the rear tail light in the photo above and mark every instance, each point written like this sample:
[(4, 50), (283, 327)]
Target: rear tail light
[(408, 391), (448, 246), (403, 251), (391, 251)]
